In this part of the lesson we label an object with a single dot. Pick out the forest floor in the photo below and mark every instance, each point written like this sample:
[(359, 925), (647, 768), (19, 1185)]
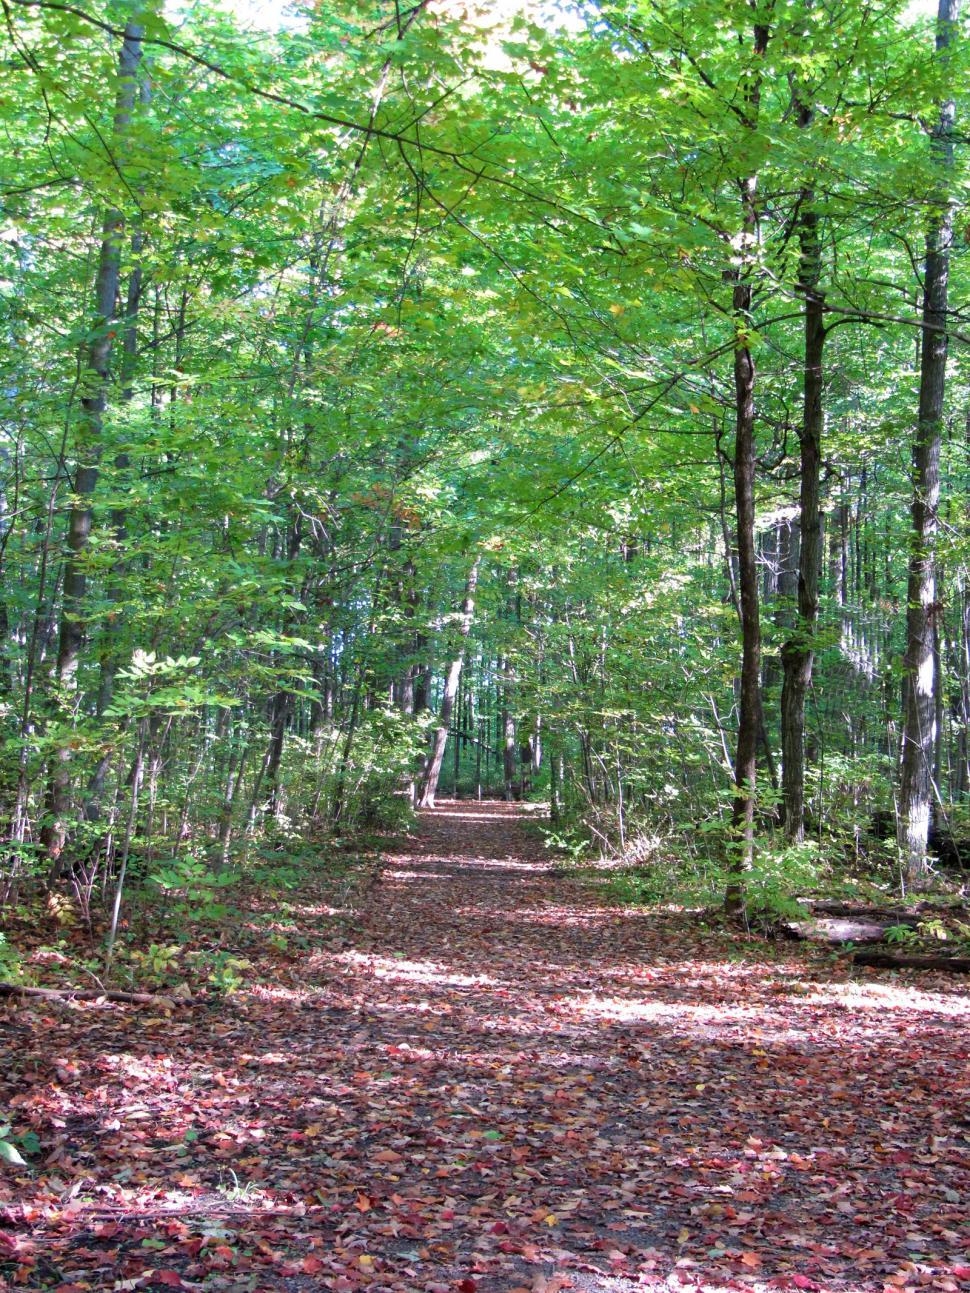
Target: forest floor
[(490, 1082)]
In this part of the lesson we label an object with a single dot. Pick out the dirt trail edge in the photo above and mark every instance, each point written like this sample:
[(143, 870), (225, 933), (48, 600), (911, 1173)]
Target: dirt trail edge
[(496, 1084)]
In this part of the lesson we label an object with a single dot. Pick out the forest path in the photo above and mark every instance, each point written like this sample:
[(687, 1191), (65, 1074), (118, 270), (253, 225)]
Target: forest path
[(493, 1083)]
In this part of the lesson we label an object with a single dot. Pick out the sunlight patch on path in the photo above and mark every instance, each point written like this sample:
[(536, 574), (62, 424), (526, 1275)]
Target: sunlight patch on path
[(883, 996), (433, 972)]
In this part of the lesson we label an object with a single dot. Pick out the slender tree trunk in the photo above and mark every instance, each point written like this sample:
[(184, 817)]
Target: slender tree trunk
[(508, 751), (456, 761), (749, 700), (18, 832), (119, 526), (6, 529), (915, 795), (280, 705), (135, 786), (939, 716), (228, 806), (961, 771), (798, 653), (94, 403), (555, 789), (279, 711), (433, 771)]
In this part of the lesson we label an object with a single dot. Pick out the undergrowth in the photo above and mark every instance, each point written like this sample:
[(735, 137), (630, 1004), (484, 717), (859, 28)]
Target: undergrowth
[(196, 929), (654, 867)]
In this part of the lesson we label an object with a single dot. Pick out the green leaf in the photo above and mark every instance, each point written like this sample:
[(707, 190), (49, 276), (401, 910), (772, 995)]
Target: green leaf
[(10, 1154)]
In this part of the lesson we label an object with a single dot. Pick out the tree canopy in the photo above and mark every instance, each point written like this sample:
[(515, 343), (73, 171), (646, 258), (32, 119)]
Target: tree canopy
[(650, 315), (484, 638)]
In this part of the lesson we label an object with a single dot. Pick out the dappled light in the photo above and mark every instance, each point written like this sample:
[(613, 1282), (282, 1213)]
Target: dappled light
[(382, 967), (484, 646), (614, 1101)]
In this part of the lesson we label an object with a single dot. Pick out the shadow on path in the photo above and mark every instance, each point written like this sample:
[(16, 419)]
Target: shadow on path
[(499, 1084)]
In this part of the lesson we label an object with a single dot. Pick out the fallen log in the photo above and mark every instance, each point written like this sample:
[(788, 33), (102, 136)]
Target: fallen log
[(857, 910), (912, 961), (96, 994), (831, 929)]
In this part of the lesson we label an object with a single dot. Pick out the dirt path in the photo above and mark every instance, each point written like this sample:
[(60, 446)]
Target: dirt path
[(498, 1085)]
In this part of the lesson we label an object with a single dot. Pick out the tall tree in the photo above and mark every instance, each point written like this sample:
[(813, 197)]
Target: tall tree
[(922, 603), (749, 699), (429, 786), (89, 447), (798, 651)]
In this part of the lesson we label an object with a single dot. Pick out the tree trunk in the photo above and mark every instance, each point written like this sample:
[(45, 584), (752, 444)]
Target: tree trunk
[(555, 789), (433, 771), (797, 654), (961, 774), (508, 742), (119, 525), (94, 404), (456, 769), (921, 609), (749, 701)]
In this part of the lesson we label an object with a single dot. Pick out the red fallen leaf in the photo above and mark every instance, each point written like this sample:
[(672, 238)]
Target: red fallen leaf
[(313, 1265), (434, 1220), (171, 1279), (467, 1286)]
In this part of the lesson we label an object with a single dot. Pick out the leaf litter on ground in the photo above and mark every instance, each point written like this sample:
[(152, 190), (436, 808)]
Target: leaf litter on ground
[(494, 1083)]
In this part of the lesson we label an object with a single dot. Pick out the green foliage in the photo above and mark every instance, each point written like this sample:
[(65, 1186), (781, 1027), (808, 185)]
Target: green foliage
[(166, 965), (9, 1153), (346, 359), (225, 972), (779, 875), (159, 963), (572, 843), (192, 889), (11, 965), (689, 876)]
